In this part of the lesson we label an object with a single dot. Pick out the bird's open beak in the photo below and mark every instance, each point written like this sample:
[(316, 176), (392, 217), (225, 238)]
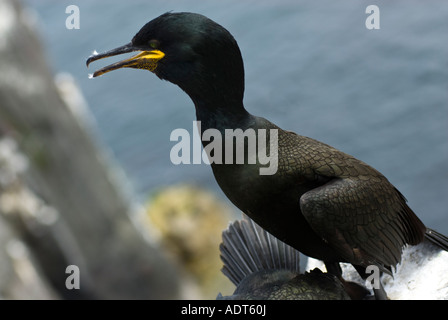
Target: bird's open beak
[(144, 60)]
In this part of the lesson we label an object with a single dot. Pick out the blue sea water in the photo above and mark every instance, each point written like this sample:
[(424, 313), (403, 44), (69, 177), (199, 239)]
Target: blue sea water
[(311, 67)]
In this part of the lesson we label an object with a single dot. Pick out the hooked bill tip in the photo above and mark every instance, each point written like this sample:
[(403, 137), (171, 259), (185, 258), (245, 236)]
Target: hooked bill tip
[(91, 58)]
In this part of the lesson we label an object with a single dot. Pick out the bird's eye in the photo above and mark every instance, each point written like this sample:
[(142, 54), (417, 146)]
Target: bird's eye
[(155, 44)]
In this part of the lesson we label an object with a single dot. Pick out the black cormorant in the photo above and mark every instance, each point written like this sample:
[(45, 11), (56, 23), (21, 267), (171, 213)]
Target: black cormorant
[(321, 201)]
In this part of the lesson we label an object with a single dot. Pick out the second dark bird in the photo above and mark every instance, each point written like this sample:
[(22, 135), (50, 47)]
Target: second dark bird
[(321, 201), (264, 268)]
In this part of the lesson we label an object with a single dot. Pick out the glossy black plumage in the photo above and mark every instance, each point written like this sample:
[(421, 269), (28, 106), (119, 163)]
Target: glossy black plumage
[(323, 202)]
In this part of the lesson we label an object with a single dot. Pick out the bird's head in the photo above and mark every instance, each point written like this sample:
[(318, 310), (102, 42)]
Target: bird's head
[(186, 49)]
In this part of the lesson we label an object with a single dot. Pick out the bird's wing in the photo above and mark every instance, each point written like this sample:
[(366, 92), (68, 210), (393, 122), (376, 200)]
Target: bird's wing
[(358, 211)]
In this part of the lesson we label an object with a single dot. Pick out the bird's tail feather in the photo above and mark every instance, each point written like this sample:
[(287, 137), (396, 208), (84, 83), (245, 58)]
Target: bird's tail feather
[(247, 248), (437, 238)]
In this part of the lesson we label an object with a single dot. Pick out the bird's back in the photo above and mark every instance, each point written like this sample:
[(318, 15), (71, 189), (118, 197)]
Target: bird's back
[(325, 203)]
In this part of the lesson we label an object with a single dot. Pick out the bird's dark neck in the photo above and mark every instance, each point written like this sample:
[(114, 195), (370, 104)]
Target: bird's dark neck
[(222, 115), (217, 85)]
